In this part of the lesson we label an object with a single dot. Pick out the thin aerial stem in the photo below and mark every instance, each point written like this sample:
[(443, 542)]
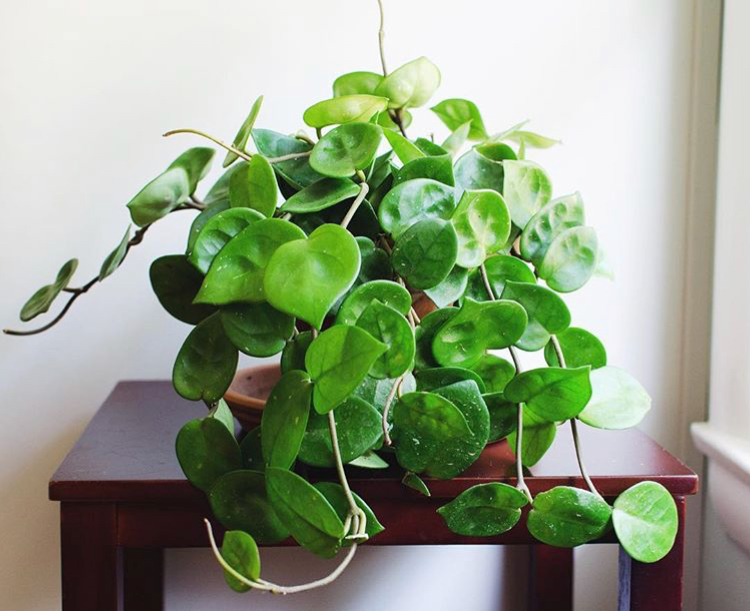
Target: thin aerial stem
[(356, 514), (363, 189), (223, 145), (381, 37), (387, 408), (267, 586), (288, 157)]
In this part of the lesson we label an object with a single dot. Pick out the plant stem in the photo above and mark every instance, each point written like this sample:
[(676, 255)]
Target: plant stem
[(363, 189), (381, 37), (357, 515), (387, 408)]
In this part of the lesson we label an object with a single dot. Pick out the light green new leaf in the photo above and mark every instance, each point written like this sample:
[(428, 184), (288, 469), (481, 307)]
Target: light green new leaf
[(285, 419), (526, 189), (206, 450), (354, 83), (344, 109), (410, 85), (305, 278), (413, 481), (579, 348), (253, 185), (457, 139), (217, 232), (196, 162), (482, 224), (42, 299), (237, 273), (557, 216), (369, 460), (456, 112), (646, 522), (484, 510), (320, 195), (240, 551), (570, 260), (390, 327), (240, 140), (500, 269), (405, 149), (338, 360), (425, 253), (159, 197), (257, 329), (114, 259), (385, 291), (415, 200), (552, 394), (547, 312), (176, 283), (346, 149), (618, 401), (566, 517)]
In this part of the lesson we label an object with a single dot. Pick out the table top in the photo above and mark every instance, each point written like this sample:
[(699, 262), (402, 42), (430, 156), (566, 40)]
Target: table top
[(127, 454)]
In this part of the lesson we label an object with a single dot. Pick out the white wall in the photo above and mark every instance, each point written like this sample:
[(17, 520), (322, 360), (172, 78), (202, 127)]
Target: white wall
[(86, 87)]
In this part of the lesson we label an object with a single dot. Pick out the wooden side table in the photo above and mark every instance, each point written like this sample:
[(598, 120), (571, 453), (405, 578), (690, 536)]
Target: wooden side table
[(123, 500)]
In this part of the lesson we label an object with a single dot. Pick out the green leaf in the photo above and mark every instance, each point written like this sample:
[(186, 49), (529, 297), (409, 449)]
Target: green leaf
[(176, 283), (220, 411), (240, 140), (114, 259), (413, 481), (547, 312), (344, 109), (217, 232), (570, 260), (557, 216), (566, 517), (335, 495), (369, 460), (503, 416), (579, 347), (413, 201), (376, 264), (210, 211), (438, 168), (526, 189), (482, 223), (404, 148), (320, 195), (410, 85), (40, 301), (295, 172), (646, 521), (196, 162), (285, 419), (428, 147), (253, 185), (475, 170), (239, 501), (206, 450), (530, 139), (375, 392), (240, 552), (500, 269), (346, 149), (538, 436), (293, 356), (437, 377), (495, 372), (338, 360), (384, 291), (206, 363), (159, 197), (252, 451), (388, 326), (237, 273), (450, 289), (305, 278), (354, 83), (304, 510), (618, 401), (424, 335), (386, 121), (455, 112), (358, 427), (477, 327), (425, 253), (484, 510), (552, 394), (457, 139), (257, 329)]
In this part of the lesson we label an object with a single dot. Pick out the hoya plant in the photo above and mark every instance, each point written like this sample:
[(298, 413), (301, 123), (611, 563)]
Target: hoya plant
[(315, 246)]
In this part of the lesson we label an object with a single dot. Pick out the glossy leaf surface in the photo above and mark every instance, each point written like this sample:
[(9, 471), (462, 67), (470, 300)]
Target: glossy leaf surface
[(425, 335), (579, 348), (196, 162), (500, 269), (404, 148), (241, 553), (482, 224), (353, 83), (526, 189), (552, 394), (176, 283), (484, 510), (548, 315), (217, 232), (413, 201), (451, 289), (390, 327), (346, 149), (344, 109), (618, 401), (159, 197), (570, 260), (206, 450), (538, 436), (503, 416), (295, 172), (438, 168), (257, 329), (410, 85), (437, 377), (425, 253), (385, 291), (253, 185), (557, 216), (285, 419), (455, 112), (495, 372), (320, 195), (41, 300)]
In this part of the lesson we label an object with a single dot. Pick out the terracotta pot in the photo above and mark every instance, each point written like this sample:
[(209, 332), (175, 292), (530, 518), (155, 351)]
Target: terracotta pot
[(248, 392)]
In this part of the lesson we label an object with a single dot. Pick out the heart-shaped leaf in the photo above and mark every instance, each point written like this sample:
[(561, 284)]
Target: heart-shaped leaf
[(295, 172), (413, 481), (390, 327), (438, 168), (240, 140), (484, 510), (206, 363), (413, 201), (424, 335), (547, 312), (495, 372), (526, 189), (477, 327), (305, 278), (482, 224), (253, 185), (385, 291), (338, 360), (410, 85), (646, 522), (217, 232), (344, 109), (425, 253), (369, 460), (503, 417), (557, 216), (358, 427), (238, 271), (618, 401), (159, 197), (354, 83), (570, 260), (240, 552), (376, 392), (257, 329), (450, 289), (552, 394), (335, 495), (285, 419), (206, 450), (566, 517), (40, 302), (210, 211), (404, 148), (579, 347), (196, 162), (437, 377), (176, 283), (304, 510), (538, 436), (320, 195), (239, 501), (346, 149), (475, 170), (114, 259), (456, 112)]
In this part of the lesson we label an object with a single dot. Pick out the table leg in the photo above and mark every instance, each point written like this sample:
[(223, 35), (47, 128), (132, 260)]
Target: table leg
[(550, 578), (89, 556), (656, 586), (143, 579)]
